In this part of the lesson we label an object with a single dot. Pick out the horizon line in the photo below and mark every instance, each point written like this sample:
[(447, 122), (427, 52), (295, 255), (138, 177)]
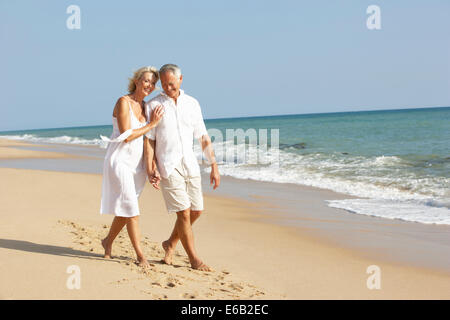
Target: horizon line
[(244, 117)]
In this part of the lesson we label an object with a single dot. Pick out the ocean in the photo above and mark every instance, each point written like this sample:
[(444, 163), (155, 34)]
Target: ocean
[(397, 162)]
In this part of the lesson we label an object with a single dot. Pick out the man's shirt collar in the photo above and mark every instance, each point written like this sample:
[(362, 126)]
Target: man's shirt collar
[(165, 95)]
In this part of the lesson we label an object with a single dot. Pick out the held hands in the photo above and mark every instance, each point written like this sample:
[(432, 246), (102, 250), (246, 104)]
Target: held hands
[(154, 178), (214, 177), (156, 115)]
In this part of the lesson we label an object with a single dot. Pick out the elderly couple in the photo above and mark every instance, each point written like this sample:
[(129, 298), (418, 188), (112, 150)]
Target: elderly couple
[(154, 139)]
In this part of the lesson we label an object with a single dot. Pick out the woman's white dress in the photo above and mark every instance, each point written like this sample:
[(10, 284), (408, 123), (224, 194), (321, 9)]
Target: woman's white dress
[(124, 173)]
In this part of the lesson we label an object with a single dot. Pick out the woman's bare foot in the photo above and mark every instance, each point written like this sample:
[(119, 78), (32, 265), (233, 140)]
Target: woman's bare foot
[(142, 262), (107, 248), (199, 265), (169, 251)]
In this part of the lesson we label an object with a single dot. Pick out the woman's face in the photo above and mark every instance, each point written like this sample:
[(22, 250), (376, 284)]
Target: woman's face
[(146, 84)]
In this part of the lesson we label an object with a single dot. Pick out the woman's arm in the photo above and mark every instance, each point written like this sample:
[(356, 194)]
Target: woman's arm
[(123, 119), (149, 156), (150, 162)]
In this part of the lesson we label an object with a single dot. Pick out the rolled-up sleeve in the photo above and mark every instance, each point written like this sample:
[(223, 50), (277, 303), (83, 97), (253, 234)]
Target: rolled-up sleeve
[(199, 127)]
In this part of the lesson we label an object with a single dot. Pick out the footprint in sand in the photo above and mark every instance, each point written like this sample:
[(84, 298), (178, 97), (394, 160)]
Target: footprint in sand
[(155, 296), (172, 282), (156, 284), (236, 287), (215, 285)]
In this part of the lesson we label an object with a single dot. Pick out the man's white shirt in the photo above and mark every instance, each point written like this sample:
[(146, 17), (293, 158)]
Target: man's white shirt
[(174, 134)]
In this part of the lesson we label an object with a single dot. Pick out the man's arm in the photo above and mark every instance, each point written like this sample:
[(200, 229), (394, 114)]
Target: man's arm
[(208, 150)]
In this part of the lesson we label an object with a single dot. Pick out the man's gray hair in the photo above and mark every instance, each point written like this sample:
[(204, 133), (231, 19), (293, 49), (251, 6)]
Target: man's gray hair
[(172, 68)]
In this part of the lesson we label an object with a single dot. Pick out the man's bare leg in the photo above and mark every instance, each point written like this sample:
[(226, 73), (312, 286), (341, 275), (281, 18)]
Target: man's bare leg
[(116, 226), (135, 234), (170, 244), (184, 230)]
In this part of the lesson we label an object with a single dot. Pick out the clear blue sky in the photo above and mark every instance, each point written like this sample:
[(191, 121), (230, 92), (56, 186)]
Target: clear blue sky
[(239, 58)]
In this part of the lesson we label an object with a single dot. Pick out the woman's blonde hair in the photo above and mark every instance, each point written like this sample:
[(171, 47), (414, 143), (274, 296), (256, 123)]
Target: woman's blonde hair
[(138, 74)]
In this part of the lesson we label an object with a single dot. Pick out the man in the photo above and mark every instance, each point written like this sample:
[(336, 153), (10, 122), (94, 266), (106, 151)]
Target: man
[(172, 144)]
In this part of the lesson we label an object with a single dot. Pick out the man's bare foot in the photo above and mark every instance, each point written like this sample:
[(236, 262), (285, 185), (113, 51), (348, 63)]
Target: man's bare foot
[(107, 248), (169, 251), (199, 265)]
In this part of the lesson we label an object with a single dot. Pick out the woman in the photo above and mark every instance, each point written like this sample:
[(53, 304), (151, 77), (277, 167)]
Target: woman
[(124, 172)]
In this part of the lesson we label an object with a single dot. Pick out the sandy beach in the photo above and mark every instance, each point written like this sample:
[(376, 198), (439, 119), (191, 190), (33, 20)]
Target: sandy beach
[(50, 221)]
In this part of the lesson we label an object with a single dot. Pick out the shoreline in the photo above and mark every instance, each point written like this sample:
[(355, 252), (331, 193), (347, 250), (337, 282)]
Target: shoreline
[(281, 254)]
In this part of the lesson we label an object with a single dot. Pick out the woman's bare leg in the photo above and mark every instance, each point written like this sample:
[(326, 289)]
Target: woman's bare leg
[(116, 226), (135, 235)]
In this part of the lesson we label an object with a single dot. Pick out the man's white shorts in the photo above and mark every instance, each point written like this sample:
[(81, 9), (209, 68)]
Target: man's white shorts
[(181, 192)]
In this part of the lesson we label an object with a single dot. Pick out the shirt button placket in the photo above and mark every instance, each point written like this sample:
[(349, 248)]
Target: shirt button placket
[(179, 129)]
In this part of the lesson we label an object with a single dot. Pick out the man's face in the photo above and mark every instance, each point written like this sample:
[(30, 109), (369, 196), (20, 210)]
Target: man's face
[(171, 84)]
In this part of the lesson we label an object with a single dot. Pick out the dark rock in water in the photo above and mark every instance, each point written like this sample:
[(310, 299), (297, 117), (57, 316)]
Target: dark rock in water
[(300, 145), (344, 152)]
